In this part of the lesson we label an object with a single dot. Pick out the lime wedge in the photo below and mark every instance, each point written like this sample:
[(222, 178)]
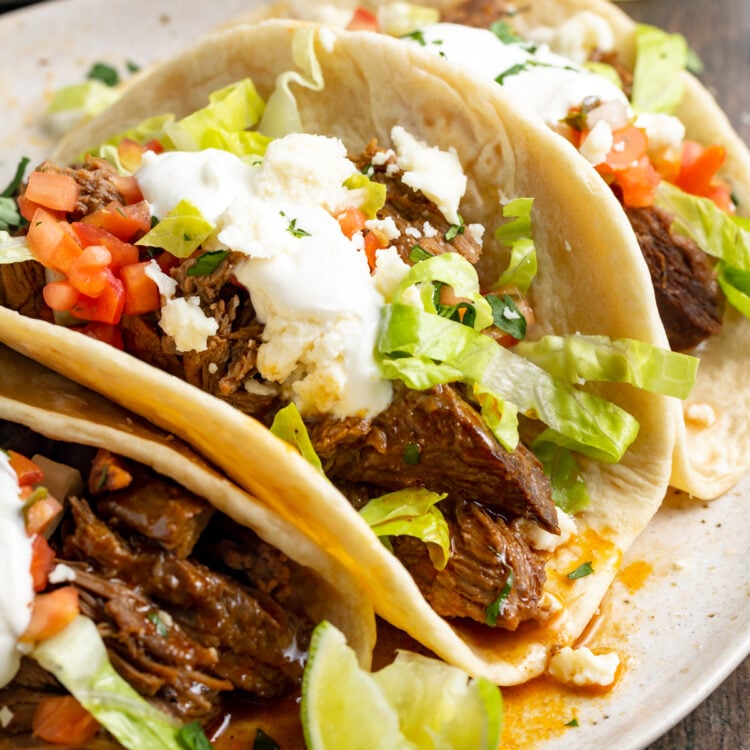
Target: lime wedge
[(415, 703)]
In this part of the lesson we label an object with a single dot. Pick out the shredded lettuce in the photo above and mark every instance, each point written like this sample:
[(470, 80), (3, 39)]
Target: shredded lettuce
[(78, 658), (289, 427), (411, 512), (181, 232), (500, 416), (281, 115), (661, 58), (516, 235), (605, 71), (602, 359), (374, 193), (568, 488), (735, 284), (13, 249), (448, 351), (73, 104), (400, 18)]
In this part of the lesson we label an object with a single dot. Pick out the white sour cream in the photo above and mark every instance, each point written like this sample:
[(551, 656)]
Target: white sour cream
[(547, 82), (17, 591)]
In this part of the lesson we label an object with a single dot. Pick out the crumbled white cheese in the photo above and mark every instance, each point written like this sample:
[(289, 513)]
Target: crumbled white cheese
[(598, 143), (664, 132), (381, 157), (582, 668), (6, 716), (438, 174), (577, 37), (386, 228), (259, 389), (540, 539), (166, 285), (701, 415), (183, 320), (392, 169), (413, 232), (476, 231), (62, 573), (428, 230), (213, 368), (389, 272)]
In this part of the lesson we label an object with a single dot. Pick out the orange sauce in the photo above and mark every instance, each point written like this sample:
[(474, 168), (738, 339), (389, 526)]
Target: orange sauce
[(635, 575)]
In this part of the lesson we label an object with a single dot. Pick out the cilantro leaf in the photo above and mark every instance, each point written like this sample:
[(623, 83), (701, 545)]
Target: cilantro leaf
[(504, 33), (506, 315), (412, 454), (583, 570), (417, 36), (207, 263), (263, 742), (104, 73), (192, 737), (496, 608), (455, 229)]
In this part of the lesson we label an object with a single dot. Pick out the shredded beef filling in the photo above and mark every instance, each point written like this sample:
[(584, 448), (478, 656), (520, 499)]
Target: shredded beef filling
[(480, 13), (191, 606)]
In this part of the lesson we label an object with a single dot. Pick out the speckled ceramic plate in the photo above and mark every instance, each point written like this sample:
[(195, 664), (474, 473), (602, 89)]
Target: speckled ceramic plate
[(679, 614)]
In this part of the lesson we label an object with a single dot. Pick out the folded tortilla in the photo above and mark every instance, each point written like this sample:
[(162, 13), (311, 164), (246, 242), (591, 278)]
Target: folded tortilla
[(505, 154), (712, 450), (318, 588)]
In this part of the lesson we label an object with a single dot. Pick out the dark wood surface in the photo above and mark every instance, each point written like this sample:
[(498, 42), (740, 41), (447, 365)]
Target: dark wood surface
[(719, 31)]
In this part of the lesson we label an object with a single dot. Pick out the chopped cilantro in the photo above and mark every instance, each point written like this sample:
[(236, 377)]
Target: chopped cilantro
[(12, 187), (132, 67), (462, 312), (102, 481), (207, 263), (455, 229), (504, 33), (192, 737), (294, 229), (586, 569), (412, 454), (154, 221), (495, 609), (568, 486), (104, 73), (511, 71), (418, 253), (263, 742), (368, 171), (572, 723), (417, 36), (506, 316)]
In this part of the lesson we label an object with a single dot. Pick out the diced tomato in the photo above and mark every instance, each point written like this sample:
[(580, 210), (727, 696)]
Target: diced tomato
[(51, 613), (107, 307), (125, 222), (352, 220), (128, 188), (167, 261), (363, 20), (59, 192), (60, 295), (141, 292), (638, 183), (130, 153), (27, 208), (154, 145), (52, 242), (87, 272), (42, 559), (41, 513), (109, 334), (123, 253), (108, 473), (26, 470), (699, 167), (628, 145), (721, 195), (372, 244), (62, 720)]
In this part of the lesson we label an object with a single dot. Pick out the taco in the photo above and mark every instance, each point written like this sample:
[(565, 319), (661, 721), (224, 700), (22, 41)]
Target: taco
[(165, 595), (369, 310), (621, 93)]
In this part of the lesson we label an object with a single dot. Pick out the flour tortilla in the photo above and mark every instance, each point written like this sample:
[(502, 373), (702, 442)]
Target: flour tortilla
[(505, 153), (53, 406), (712, 450)]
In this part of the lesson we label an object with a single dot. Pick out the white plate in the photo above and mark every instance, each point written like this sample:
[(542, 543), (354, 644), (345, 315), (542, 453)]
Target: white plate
[(688, 624)]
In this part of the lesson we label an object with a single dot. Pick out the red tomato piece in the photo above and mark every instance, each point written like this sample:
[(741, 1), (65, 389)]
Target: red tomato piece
[(123, 253), (42, 559), (107, 307), (60, 295), (87, 272), (698, 170), (363, 20), (125, 222), (62, 720), (26, 470), (141, 293), (638, 183), (352, 220), (59, 192), (109, 334), (128, 188), (51, 613), (372, 245), (41, 513), (628, 145), (52, 242), (130, 153)]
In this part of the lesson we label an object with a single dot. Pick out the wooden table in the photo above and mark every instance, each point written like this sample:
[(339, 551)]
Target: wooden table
[(719, 31)]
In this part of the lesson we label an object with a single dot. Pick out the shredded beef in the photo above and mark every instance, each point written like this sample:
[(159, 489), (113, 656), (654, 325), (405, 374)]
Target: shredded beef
[(687, 294), (96, 179), (613, 58), (479, 13), (457, 454), (21, 287), (485, 549)]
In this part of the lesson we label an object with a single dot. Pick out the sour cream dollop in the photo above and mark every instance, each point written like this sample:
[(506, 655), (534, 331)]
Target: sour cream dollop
[(17, 591), (548, 83)]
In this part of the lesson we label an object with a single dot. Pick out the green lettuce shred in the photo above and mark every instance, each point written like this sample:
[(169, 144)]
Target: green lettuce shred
[(13, 249), (71, 105), (661, 58), (411, 512), (500, 416), (181, 232), (602, 359), (568, 487), (289, 427), (516, 234), (78, 658)]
